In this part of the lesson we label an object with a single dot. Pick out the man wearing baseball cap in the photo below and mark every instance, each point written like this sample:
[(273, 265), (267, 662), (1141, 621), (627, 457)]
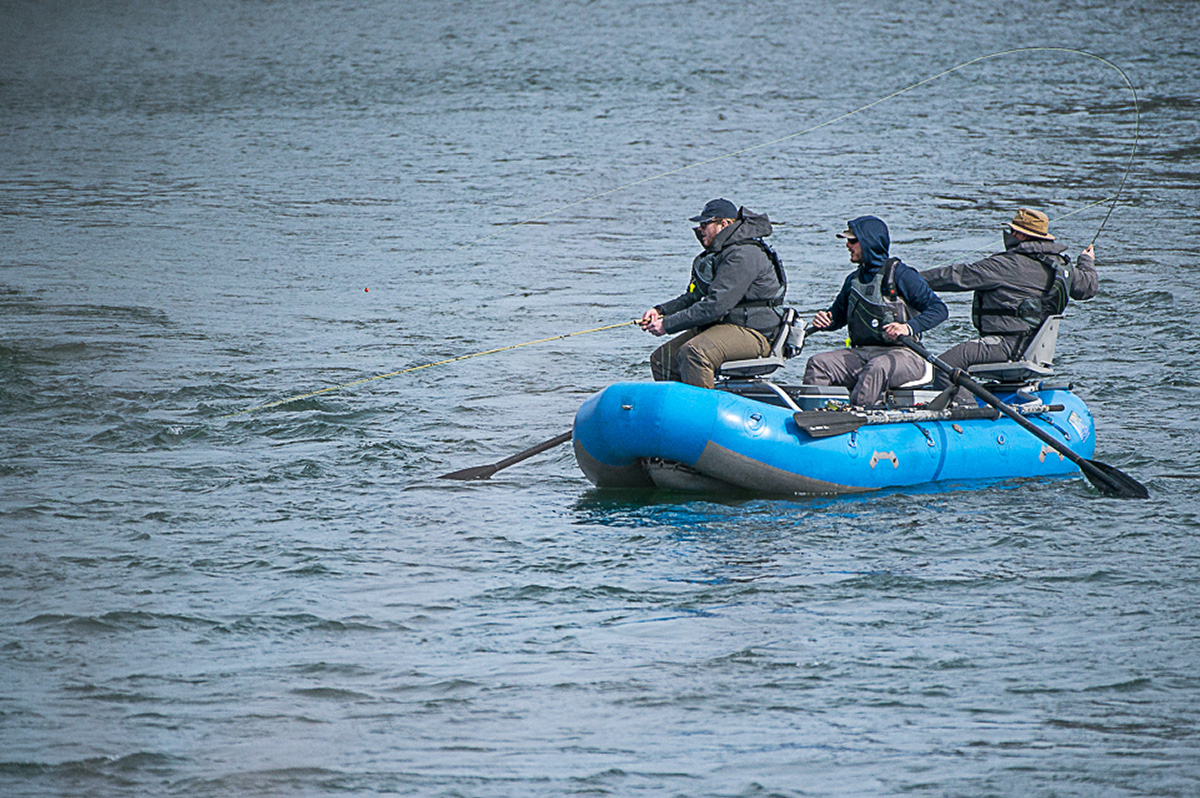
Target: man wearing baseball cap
[(730, 306), (1015, 291), (881, 300)]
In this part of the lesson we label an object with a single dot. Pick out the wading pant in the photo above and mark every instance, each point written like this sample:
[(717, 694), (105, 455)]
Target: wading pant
[(989, 349), (693, 356), (868, 371)]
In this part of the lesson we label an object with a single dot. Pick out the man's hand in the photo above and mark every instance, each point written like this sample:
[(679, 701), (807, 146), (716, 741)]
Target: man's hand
[(822, 320), (1090, 252), (652, 322), (895, 329)]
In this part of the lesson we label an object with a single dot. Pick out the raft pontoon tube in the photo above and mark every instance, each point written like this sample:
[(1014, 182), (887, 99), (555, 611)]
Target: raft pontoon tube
[(672, 435)]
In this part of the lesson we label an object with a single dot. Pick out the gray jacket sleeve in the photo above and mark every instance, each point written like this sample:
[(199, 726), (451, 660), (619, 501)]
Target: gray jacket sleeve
[(982, 275), (677, 304), (1084, 282)]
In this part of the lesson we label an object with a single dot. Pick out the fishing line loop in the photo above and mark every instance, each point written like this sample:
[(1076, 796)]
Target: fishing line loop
[(827, 123), (1060, 217), (847, 115)]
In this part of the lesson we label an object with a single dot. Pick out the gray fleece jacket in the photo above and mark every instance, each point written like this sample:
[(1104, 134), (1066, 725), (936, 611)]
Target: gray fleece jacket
[(1001, 282), (731, 271)]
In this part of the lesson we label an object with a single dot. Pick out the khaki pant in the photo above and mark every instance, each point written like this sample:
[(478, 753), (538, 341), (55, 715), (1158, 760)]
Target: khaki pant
[(868, 371), (990, 349), (694, 357)]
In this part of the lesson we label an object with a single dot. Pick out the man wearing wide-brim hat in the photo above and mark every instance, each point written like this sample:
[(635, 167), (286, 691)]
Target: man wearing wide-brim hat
[(1015, 291)]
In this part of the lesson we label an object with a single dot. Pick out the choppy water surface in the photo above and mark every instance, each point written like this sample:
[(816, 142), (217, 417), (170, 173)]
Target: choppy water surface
[(208, 207)]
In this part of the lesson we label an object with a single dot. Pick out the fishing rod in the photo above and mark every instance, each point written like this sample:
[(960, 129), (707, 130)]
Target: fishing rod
[(1056, 219)]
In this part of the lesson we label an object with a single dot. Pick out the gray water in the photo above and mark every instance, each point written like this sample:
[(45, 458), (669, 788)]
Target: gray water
[(211, 206)]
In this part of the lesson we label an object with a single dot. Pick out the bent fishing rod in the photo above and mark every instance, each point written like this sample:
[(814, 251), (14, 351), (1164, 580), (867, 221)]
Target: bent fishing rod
[(829, 122)]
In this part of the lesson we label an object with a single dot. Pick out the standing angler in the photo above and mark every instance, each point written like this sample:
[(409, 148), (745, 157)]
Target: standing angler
[(730, 306), (1014, 292), (881, 300)]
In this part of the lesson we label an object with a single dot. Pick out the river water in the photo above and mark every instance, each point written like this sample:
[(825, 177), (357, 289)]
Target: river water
[(212, 206)]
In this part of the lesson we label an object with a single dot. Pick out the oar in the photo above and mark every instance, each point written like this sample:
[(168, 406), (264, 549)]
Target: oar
[(483, 472), (828, 423), (1108, 480)]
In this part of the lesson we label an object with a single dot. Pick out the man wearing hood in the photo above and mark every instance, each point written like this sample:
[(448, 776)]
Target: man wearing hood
[(881, 300), (729, 308), (1014, 292)]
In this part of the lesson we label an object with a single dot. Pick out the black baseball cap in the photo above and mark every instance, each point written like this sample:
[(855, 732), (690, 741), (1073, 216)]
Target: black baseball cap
[(716, 209)]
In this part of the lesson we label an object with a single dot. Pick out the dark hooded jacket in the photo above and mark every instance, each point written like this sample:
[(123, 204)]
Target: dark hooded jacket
[(732, 282), (928, 309), (1002, 282)]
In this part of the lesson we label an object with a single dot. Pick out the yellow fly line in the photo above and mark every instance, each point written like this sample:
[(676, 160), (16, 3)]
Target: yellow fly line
[(411, 369)]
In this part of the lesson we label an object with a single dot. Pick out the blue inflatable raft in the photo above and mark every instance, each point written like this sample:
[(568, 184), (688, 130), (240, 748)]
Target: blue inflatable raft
[(758, 436)]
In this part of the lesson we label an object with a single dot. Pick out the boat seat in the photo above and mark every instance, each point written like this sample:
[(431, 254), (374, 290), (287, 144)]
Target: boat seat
[(780, 352), (925, 379), (913, 392), (1034, 362)]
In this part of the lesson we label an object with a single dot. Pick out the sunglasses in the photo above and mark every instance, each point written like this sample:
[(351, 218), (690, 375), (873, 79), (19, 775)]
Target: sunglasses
[(851, 240)]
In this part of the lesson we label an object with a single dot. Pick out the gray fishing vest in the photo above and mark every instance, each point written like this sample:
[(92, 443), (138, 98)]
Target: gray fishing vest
[(1033, 310), (873, 305)]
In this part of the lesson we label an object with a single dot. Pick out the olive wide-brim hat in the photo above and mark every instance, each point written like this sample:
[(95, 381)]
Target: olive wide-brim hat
[(1032, 223)]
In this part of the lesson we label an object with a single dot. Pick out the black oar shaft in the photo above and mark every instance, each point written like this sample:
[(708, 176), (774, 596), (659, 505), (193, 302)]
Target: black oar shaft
[(958, 377), (486, 471), (532, 450), (1123, 486)]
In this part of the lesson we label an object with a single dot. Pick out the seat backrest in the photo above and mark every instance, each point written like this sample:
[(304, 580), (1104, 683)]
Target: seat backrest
[(785, 329), (1040, 348), (1032, 363)]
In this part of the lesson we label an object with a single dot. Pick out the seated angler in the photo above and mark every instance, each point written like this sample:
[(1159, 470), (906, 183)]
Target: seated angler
[(730, 307), (883, 299), (1015, 291)]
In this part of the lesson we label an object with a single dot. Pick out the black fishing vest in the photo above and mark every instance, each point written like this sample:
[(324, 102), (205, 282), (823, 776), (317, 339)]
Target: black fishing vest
[(873, 305), (1034, 310), (704, 270)]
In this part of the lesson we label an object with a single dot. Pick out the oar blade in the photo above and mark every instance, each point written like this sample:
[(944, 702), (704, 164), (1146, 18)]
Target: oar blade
[(1114, 482), (478, 472), (827, 423)]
